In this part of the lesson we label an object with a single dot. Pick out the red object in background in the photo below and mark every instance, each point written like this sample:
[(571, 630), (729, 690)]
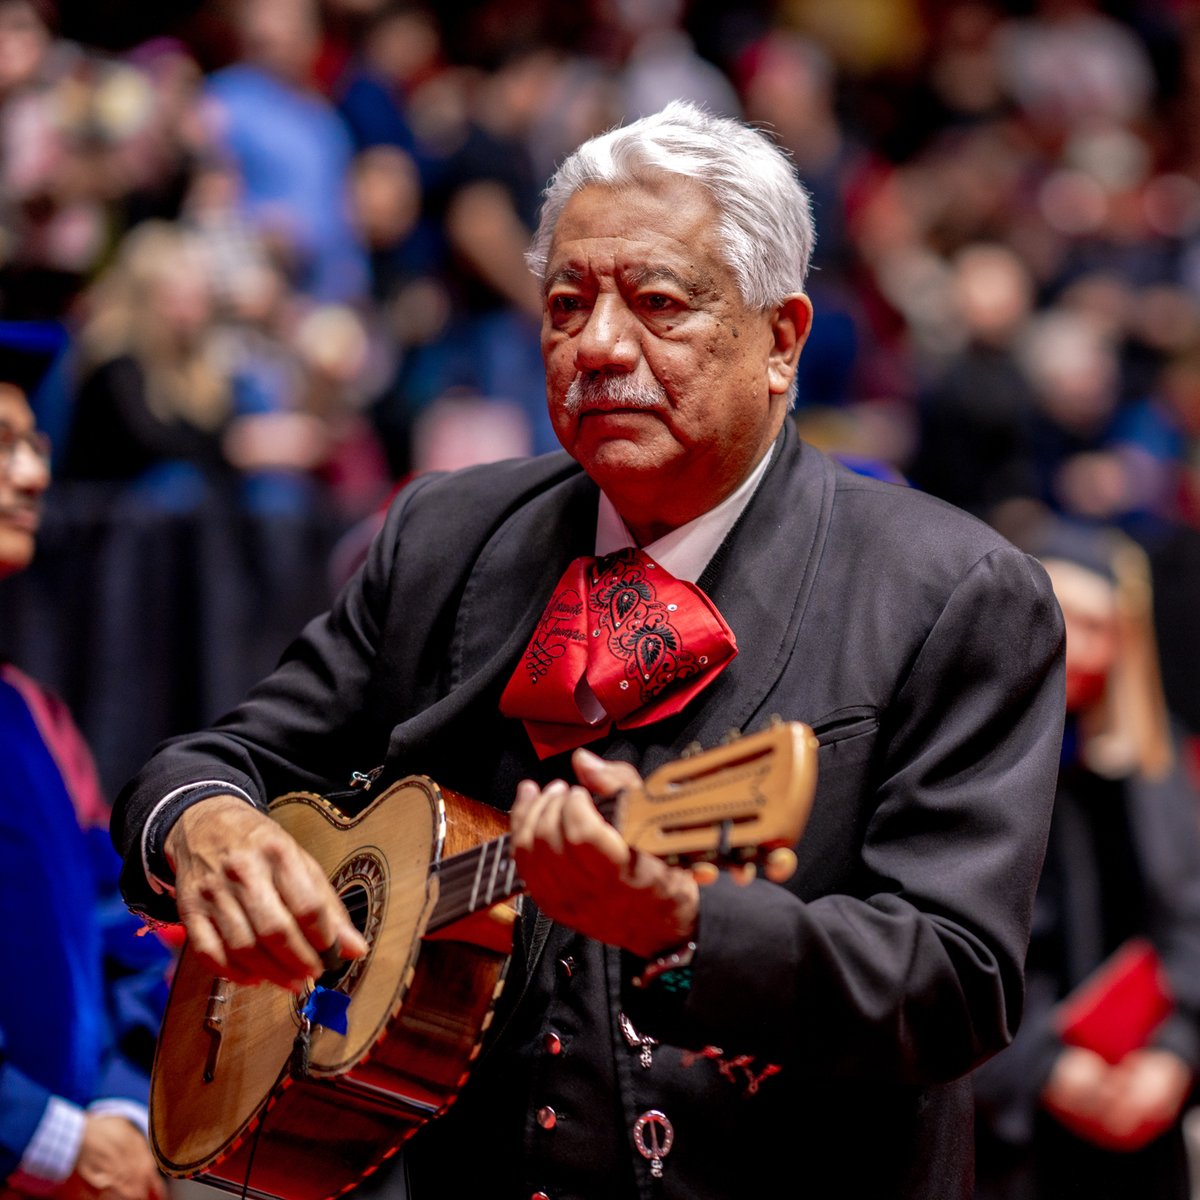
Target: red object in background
[(1192, 755), (1120, 1005)]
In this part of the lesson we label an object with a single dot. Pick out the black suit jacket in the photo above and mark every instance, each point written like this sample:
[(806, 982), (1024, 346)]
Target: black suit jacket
[(925, 652)]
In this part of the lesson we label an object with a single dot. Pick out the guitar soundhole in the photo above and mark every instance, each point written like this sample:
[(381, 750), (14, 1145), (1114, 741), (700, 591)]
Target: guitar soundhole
[(357, 900)]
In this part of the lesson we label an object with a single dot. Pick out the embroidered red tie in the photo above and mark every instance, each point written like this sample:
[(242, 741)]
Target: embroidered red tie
[(644, 642)]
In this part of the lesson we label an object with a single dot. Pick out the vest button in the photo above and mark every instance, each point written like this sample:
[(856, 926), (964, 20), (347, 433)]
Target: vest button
[(547, 1118), (567, 966), (552, 1043)]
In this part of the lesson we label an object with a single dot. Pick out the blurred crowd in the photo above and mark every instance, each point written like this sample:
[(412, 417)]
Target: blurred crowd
[(269, 258), (277, 245)]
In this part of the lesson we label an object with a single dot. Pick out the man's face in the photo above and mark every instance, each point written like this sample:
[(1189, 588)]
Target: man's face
[(24, 476), (661, 382)]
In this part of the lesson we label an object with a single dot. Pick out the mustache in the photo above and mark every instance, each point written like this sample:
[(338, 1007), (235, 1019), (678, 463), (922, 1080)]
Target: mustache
[(600, 392)]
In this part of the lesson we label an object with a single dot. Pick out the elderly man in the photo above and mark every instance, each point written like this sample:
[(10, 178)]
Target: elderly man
[(817, 1031)]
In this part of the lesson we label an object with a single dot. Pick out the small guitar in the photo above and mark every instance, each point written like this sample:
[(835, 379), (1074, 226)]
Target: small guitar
[(256, 1092)]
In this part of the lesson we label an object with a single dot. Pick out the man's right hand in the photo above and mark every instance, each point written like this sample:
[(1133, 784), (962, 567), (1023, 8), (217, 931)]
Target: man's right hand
[(255, 904), (114, 1163)]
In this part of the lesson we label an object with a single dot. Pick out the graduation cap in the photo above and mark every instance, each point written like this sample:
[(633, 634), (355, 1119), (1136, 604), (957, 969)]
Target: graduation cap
[(29, 350), (1093, 547)]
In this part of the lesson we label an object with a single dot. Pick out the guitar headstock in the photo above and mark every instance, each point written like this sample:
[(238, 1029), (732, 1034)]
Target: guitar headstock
[(743, 802)]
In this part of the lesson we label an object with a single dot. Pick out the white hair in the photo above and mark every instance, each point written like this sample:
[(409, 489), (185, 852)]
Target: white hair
[(765, 227)]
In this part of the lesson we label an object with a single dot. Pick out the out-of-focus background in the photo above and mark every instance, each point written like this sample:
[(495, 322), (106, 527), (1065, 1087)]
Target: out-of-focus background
[(266, 256)]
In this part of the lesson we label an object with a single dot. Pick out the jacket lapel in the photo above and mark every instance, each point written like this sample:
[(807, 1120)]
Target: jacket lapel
[(512, 580)]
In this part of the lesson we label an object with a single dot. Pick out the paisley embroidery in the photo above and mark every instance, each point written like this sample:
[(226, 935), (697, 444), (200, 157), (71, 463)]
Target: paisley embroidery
[(640, 630), (621, 640)]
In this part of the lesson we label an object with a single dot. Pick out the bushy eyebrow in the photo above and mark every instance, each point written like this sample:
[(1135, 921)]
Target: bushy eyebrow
[(638, 277), (642, 276), (564, 275)]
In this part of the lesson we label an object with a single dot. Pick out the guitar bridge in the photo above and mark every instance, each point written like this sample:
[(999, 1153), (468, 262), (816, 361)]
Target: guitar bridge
[(214, 1020)]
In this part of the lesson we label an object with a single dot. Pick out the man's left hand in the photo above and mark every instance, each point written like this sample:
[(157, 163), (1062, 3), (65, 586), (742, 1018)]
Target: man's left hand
[(582, 873)]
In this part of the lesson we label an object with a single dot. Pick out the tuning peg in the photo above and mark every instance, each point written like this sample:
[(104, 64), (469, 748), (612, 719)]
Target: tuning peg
[(731, 735), (705, 873), (691, 750), (744, 874), (780, 865)]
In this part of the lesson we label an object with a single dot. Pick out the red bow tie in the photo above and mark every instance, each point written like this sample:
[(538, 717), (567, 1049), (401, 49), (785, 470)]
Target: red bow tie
[(645, 643)]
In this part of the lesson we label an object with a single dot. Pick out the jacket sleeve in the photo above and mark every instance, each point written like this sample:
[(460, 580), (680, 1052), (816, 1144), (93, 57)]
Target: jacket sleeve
[(914, 974), (22, 1105)]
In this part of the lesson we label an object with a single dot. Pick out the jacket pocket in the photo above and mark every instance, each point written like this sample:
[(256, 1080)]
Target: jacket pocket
[(845, 723), (830, 847)]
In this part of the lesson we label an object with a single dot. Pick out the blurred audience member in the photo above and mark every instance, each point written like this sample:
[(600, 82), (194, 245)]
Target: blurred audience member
[(80, 1014), (1069, 64), (168, 403), (481, 198), (401, 48), (65, 112), (964, 76), (1058, 1117), (657, 62), (787, 84), (153, 399), (975, 446), (1071, 360), (290, 148)]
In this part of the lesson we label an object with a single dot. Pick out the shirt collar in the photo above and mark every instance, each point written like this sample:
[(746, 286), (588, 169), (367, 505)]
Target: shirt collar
[(685, 551)]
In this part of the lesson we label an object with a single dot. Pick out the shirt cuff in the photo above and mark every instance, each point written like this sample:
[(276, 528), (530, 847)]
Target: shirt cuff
[(52, 1151), (162, 819)]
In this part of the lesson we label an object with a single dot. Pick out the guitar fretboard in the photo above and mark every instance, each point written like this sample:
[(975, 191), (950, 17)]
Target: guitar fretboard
[(475, 879), (483, 876)]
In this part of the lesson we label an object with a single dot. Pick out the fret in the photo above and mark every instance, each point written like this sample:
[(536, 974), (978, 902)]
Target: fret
[(472, 903), (500, 844)]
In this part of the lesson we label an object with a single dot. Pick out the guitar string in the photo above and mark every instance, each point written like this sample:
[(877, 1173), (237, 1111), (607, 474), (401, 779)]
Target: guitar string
[(472, 875), (468, 879), (458, 873)]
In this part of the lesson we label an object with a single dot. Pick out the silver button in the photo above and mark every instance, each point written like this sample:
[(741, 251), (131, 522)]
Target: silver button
[(552, 1043), (547, 1118)]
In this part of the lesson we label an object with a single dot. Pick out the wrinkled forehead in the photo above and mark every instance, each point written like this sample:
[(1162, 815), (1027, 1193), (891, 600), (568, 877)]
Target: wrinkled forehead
[(665, 228)]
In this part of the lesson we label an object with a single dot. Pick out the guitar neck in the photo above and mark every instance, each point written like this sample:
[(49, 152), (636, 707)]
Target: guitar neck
[(482, 876), (475, 879), (745, 801)]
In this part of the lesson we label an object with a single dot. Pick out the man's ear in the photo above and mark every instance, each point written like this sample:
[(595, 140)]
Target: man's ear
[(790, 325)]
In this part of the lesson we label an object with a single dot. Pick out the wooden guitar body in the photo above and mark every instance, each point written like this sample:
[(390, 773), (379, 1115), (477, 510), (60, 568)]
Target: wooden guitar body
[(417, 1013)]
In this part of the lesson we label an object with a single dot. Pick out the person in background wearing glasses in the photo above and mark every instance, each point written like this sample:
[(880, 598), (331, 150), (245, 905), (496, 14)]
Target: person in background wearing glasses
[(83, 994)]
